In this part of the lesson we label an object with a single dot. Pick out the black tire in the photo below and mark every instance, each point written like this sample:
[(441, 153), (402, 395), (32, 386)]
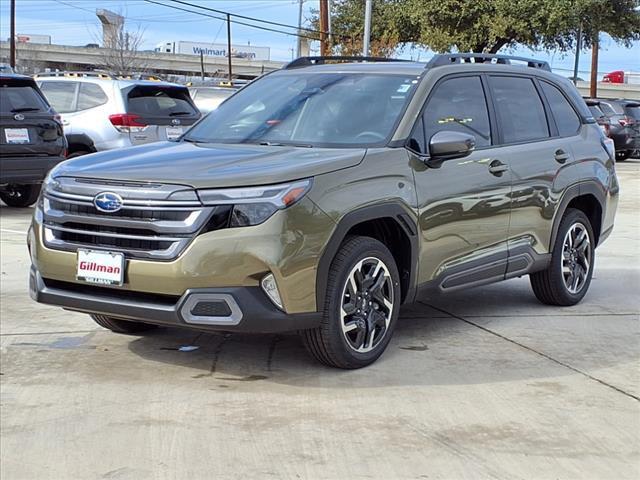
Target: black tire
[(122, 326), (77, 153), (622, 155), (20, 196), (549, 285), (327, 343)]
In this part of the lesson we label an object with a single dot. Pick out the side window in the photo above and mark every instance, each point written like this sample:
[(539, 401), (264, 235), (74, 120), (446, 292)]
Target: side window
[(606, 109), (91, 95), (416, 140), (459, 104), (61, 95), (520, 111), (567, 120)]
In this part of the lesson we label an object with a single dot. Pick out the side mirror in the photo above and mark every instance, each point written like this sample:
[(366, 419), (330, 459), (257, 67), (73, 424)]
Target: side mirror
[(447, 145)]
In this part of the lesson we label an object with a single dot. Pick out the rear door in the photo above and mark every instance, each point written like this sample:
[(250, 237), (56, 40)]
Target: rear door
[(166, 110), (538, 149), (27, 121), (63, 97)]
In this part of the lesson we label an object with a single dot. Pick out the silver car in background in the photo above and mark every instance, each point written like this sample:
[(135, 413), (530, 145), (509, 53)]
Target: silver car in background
[(102, 112), (208, 98)]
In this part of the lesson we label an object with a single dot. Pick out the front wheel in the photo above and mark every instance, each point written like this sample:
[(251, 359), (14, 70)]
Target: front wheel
[(566, 281), (361, 306), (20, 196)]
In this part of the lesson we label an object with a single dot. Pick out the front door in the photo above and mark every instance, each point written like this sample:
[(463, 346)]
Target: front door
[(464, 204)]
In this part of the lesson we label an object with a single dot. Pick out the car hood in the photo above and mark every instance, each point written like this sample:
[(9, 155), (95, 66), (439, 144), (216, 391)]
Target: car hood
[(210, 165)]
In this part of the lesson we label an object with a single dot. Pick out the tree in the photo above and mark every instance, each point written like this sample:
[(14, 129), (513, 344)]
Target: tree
[(481, 25), (121, 55)]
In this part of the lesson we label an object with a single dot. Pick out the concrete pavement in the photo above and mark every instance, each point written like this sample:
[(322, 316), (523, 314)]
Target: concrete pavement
[(482, 384)]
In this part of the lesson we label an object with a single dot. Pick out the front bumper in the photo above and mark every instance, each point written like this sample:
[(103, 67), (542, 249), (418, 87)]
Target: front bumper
[(234, 309), (26, 170)]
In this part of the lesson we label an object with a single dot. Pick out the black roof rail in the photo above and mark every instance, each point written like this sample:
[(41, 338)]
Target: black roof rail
[(309, 61), (457, 58)]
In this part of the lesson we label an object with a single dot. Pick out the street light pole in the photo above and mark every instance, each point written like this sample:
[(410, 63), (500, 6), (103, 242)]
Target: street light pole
[(577, 61), (299, 45), (367, 28)]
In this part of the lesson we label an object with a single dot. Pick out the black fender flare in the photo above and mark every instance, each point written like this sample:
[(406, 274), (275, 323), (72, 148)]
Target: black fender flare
[(589, 187), (396, 211), (81, 139)]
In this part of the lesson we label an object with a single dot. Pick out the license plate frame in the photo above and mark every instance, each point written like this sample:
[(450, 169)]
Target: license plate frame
[(17, 136), (100, 267), (173, 133)]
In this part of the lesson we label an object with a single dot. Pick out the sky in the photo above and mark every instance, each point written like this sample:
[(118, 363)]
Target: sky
[(73, 22)]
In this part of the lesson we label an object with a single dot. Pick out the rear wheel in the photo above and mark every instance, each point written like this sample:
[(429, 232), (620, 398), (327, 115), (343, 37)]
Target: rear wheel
[(361, 306), (20, 196), (566, 281), (121, 326)]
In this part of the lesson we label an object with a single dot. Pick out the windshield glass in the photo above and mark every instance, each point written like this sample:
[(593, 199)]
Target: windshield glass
[(312, 109)]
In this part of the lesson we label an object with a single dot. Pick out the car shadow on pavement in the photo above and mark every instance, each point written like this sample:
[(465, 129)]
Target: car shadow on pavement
[(429, 347)]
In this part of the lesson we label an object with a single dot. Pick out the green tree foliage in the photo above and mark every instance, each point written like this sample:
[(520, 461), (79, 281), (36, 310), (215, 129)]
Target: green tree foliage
[(480, 25)]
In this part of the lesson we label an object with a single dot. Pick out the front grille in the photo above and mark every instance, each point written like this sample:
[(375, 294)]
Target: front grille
[(150, 225)]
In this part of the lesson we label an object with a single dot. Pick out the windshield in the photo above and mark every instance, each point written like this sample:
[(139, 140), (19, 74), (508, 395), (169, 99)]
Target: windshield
[(312, 109), (160, 101)]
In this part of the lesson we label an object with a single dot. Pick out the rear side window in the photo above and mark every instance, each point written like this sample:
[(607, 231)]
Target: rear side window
[(567, 121), (607, 110), (20, 98), (458, 105), (595, 111), (61, 95), (90, 96), (520, 111), (160, 102)]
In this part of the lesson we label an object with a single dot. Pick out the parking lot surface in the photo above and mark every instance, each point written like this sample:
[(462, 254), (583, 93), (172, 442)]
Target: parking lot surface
[(486, 383)]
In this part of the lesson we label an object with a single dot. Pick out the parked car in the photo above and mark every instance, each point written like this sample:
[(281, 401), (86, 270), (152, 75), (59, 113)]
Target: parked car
[(602, 120), (32, 141), (321, 197), (209, 98), (624, 127), (102, 112)]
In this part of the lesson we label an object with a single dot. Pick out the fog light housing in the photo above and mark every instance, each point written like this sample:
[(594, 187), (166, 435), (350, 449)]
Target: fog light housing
[(270, 287)]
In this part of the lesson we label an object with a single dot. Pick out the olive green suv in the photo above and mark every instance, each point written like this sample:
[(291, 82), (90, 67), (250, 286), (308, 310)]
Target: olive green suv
[(323, 196)]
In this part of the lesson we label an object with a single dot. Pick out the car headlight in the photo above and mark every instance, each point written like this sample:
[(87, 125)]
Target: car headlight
[(254, 205)]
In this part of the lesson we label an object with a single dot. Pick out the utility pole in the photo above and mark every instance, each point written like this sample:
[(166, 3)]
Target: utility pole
[(12, 55), (578, 48), (201, 65), (299, 44), (593, 90), (367, 28), (229, 44), (324, 25)]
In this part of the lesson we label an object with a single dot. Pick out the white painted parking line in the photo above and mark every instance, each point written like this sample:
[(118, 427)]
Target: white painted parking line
[(12, 231)]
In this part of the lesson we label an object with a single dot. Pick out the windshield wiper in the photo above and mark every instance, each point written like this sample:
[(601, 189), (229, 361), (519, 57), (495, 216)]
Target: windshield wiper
[(25, 109), (175, 114), (277, 144)]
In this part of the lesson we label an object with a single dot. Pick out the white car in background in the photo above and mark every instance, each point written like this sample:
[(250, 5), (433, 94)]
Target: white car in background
[(102, 112)]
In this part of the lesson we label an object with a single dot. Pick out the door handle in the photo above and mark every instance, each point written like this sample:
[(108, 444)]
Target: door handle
[(561, 156), (497, 168)]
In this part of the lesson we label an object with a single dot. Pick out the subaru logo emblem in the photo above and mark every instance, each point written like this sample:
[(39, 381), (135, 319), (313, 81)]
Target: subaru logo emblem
[(19, 117), (175, 121), (108, 202)]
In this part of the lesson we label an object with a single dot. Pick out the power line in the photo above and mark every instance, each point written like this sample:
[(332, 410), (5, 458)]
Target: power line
[(233, 21), (253, 19)]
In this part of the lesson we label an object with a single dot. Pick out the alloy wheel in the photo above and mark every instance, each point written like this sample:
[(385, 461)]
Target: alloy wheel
[(367, 304), (576, 257)]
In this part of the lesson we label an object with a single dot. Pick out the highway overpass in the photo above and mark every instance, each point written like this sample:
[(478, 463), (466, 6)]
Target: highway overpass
[(36, 57)]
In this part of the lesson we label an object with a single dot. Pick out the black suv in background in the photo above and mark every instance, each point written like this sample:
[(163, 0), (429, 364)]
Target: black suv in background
[(32, 140), (624, 124)]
